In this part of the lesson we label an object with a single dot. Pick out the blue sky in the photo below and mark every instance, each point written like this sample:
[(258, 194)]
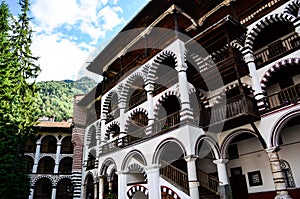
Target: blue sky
[(69, 32)]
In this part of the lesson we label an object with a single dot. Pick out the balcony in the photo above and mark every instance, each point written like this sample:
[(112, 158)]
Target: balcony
[(137, 98), (285, 97), (159, 127), (234, 112), (277, 49)]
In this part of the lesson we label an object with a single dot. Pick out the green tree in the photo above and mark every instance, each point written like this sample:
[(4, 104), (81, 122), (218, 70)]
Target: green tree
[(17, 92)]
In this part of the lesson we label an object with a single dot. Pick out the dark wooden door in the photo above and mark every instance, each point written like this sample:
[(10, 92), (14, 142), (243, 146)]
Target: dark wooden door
[(239, 186)]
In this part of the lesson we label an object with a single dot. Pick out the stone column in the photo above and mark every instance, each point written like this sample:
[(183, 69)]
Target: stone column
[(278, 178), (31, 193), (53, 195), (101, 187), (122, 183), (122, 107), (192, 176), (84, 191), (96, 190), (224, 188), (258, 93), (153, 181), (149, 89), (37, 156), (103, 130), (58, 148)]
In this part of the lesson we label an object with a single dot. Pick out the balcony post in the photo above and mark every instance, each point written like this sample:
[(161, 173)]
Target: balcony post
[(122, 183), (96, 190), (37, 156), (53, 195), (58, 148), (153, 181), (31, 192), (186, 113), (102, 133), (149, 89), (122, 107), (280, 187), (224, 188), (258, 93), (192, 176)]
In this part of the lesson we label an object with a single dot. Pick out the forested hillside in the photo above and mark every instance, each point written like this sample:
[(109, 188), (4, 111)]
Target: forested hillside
[(55, 98)]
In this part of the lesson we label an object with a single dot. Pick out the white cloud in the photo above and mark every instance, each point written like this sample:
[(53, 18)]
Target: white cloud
[(110, 17)]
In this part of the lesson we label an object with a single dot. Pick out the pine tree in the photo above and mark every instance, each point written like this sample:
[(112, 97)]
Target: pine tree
[(17, 92)]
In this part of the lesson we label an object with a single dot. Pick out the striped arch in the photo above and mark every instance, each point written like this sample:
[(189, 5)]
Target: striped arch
[(252, 34), (222, 96), (211, 143), (89, 173), (134, 112), (157, 60), (273, 69), (108, 100), (131, 154), (161, 146), (163, 97), (275, 132), (137, 167), (113, 123), (235, 133), (136, 188), (236, 44), (43, 176), (200, 97), (292, 7), (106, 164), (129, 82), (169, 191), (92, 131), (61, 178)]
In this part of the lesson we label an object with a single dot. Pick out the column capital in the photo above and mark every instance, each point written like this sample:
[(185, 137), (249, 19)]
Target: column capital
[(152, 167), (272, 149), (249, 57), (182, 68), (221, 161), (190, 158), (149, 87), (121, 172), (39, 142)]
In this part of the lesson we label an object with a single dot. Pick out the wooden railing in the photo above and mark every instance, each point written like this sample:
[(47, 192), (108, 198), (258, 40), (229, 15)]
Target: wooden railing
[(230, 108), (175, 175), (277, 48), (161, 126), (140, 59), (208, 181), (137, 99), (284, 97)]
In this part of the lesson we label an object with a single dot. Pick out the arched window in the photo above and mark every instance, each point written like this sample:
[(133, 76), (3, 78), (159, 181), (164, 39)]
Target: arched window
[(43, 189), (65, 165), (46, 165), (66, 145), (49, 144)]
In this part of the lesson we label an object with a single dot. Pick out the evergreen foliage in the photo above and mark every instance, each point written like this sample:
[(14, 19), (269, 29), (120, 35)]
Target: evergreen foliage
[(55, 98), (17, 97)]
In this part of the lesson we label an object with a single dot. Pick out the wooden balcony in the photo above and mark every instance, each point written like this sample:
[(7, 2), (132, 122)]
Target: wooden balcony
[(285, 97), (137, 99), (234, 112), (277, 49)]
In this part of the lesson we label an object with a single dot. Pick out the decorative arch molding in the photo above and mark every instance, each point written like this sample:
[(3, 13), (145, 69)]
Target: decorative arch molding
[(125, 164), (275, 132), (161, 146), (133, 112), (62, 178), (135, 189), (106, 163), (169, 191), (46, 135), (292, 7), (252, 34), (29, 155), (113, 123), (89, 173), (211, 143), (163, 97), (43, 155), (43, 176), (237, 45), (157, 60), (107, 100), (137, 167), (130, 81), (235, 133), (275, 68), (62, 156)]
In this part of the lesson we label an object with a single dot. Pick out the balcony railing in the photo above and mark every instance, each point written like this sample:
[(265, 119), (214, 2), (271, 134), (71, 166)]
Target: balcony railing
[(208, 181), (137, 99), (140, 59), (276, 49), (235, 111), (284, 97), (159, 127)]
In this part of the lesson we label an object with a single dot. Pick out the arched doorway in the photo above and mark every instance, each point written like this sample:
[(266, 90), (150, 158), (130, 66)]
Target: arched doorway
[(89, 187), (64, 189), (46, 165), (43, 189), (65, 166)]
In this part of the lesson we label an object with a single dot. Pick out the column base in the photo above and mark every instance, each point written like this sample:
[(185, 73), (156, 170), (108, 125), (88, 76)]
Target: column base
[(225, 192), (284, 196)]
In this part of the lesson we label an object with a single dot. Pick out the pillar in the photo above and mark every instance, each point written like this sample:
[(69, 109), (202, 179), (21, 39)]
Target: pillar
[(192, 176), (224, 188), (258, 93), (153, 181), (84, 191), (37, 156), (149, 89), (122, 183), (53, 195), (122, 107), (103, 130), (31, 193), (58, 147), (280, 188), (96, 190), (101, 187)]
